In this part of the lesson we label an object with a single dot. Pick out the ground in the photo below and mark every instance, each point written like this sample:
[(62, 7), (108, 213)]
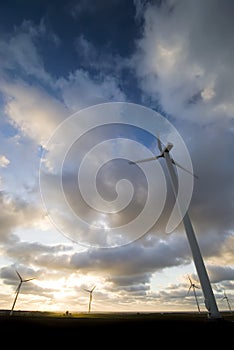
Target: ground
[(106, 330)]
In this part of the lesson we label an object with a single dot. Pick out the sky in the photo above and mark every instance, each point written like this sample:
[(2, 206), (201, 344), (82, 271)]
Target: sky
[(86, 86)]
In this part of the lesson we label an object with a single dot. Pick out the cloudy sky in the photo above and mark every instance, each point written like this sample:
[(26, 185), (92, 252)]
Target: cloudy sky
[(66, 68)]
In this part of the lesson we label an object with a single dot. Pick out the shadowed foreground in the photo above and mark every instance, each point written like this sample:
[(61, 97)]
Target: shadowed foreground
[(121, 328)]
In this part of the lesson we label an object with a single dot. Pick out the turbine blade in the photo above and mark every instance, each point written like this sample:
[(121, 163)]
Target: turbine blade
[(93, 288), (29, 279), (17, 289), (189, 289), (159, 144), (87, 290), (181, 167), (144, 160), (18, 275), (190, 280)]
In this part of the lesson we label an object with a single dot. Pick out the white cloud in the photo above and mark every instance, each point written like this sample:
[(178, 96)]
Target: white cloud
[(185, 58), (4, 162), (103, 61), (19, 52), (32, 110), (80, 90)]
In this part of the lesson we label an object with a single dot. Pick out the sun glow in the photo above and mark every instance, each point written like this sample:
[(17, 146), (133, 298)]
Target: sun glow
[(63, 286), (54, 284)]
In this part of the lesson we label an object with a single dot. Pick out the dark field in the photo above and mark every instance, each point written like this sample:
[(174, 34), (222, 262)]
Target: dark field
[(107, 330)]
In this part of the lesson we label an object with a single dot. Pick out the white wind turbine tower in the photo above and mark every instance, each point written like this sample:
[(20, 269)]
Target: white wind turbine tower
[(18, 290), (210, 301), (90, 291), (227, 300), (193, 286)]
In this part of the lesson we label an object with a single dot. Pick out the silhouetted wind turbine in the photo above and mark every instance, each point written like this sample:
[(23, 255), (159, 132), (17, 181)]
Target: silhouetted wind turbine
[(90, 291), (210, 301), (193, 286), (18, 289), (226, 298)]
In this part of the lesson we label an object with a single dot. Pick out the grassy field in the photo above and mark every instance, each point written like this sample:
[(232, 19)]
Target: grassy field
[(175, 329)]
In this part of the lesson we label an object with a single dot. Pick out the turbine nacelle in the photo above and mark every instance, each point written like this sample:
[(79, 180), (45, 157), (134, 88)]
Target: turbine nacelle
[(26, 280), (167, 148), (90, 290), (164, 150)]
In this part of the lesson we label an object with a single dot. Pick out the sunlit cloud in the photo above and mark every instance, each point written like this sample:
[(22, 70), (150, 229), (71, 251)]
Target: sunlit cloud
[(4, 162)]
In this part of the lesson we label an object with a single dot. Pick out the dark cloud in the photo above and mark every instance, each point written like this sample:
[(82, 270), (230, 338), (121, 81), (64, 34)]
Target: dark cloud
[(15, 213), (133, 262), (38, 255), (220, 274), (185, 54), (176, 61)]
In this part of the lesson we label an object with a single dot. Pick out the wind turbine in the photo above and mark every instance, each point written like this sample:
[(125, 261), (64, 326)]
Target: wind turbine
[(225, 297), (90, 291), (18, 289), (210, 301), (193, 286)]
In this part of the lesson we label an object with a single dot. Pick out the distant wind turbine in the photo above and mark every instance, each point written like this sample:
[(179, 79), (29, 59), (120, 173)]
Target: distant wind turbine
[(227, 300), (18, 289), (210, 301), (193, 286), (90, 291)]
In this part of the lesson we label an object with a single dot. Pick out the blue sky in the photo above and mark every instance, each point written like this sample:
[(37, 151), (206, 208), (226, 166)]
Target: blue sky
[(58, 59)]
